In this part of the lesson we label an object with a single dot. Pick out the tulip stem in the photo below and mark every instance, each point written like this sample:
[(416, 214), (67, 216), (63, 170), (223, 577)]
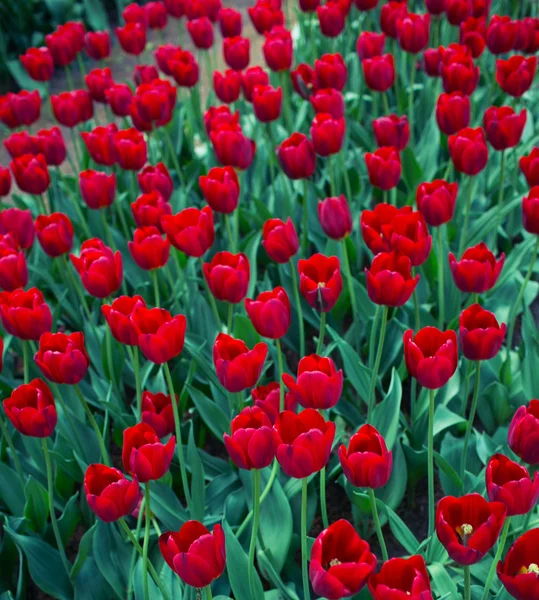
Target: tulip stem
[(513, 313), (173, 156), (467, 584), (305, 223), (500, 195), (78, 290), (230, 318), (140, 550), (323, 503), (320, 344), (430, 466), (377, 525), (229, 233), (286, 102), (153, 274), (146, 543), (135, 360), (254, 532), (299, 310), (374, 331), (54, 522), (304, 567), (208, 593), (69, 78), (347, 185), (281, 371), (333, 187), (241, 403), (441, 297), (464, 404), (353, 299), (106, 228), (464, 233), (211, 299), (130, 582), (411, 99), (179, 444), (471, 418), (93, 423), (386, 103), (26, 361), (499, 552), (6, 435), (372, 391)]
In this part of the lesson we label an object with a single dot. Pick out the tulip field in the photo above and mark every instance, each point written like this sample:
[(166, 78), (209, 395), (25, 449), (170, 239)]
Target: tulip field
[(269, 296)]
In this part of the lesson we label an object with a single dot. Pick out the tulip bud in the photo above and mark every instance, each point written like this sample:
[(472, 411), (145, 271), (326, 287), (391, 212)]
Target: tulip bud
[(13, 268), (330, 72), (227, 85), (97, 44), (230, 22), (436, 201), (31, 409), (149, 208), (38, 63), (478, 269), (320, 281), (389, 280), (162, 335), (278, 48), (453, 112), (472, 34), (62, 358), (19, 224), (109, 494), (25, 314), (327, 134), (503, 126), (55, 233), (132, 38), (119, 317), (236, 51), (524, 432), (297, 156), (379, 72), (270, 313), (413, 32), (392, 130), (97, 189), (201, 32), (143, 455), (481, 337), (468, 150), (384, 167), (237, 367), (267, 102), (148, 248), (221, 189), (252, 77), (335, 217), (31, 173), (157, 412)]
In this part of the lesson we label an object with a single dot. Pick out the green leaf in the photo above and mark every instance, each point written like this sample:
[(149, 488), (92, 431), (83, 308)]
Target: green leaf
[(96, 15), (446, 468), (401, 531), (442, 582), (69, 519), (411, 171), (166, 506), (211, 414), (24, 80), (11, 490), (84, 549), (271, 574), (445, 418), (387, 413), (198, 489), (112, 556), (36, 508)]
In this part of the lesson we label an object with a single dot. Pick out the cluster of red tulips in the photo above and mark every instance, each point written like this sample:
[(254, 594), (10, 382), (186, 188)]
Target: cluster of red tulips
[(173, 184)]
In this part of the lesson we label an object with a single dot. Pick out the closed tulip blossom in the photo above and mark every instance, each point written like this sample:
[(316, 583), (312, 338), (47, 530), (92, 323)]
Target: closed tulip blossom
[(392, 130), (156, 178), (221, 189), (25, 106), (237, 52), (318, 385), (335, 217), (501, 34), (157, 412), (518, 571), (330, 72), (31, 409), (72, 108), (481, 337), (453, 112), (304, 442), (267, 103), (327, 134), (478, 269), (280, 240), (376, 223), (458, 10), (472, 34), (459, 73), (201, 32), (401, 578), (31, 173), (100, 144), (143, 455), (304, 81), (13, 267), (332, 17), (227, 85), (119, 97), (267, 398), (132, 38), (25, 314), (389, 279), (21, 143), (227, 276), (384, 167), (409, 235), (469, 526), (237, 367), (184, 68), (341, 562), (97, 189), (328, 101), (109, 494), (191, 230), (468, 150), (5, 181), (148, 209), (390, 13), (194, 554), (369, 44), (98, 81), (278, 49), (119, 317), (431, 356), (523, 435), (230, 22), (251, 444), (297, 156), (366, 462), (503, 126), (62, 358), (530, 211), (252, 77), (432, 62), (529, 165), (266, 14), (131, 149), (50, 143), (436, 201), (99, 268), (232, 148), (148, 248), (413, 32), (19, 224), (38, 63), (97, 44), (161, 335), (320, 281), (270, 313), (515, 75)]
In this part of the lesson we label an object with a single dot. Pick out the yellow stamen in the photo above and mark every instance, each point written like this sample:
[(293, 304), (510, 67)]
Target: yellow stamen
[(334, 562)]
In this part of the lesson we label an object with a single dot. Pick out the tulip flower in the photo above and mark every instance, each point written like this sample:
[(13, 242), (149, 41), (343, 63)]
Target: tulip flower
[(119, 97), (143, 455), (459, 73), (503, 126), (13, 267), (97, 189), (161, 335), (297, 156), (50, 143), (157, 412), (370, 44), (31, 409), (529, 165), (191, 230), (97, 44), (131, 149), (328, 101), (109, 494), (432, 62), (384, 167), (413, 32), (389, 280), (374, 222), (156, 15), (25, 314), (478, 269), (320, 281), (98, 81), (436, 201), (265, 14), (132, 38), (26, 106), (392, 130), (408, 235), (252, 77), (390, 13), (267, 103), (148, 209), (468, 150), (72, 108), (156, 178), (501, 34), (270, 313), (341, 562), (31, 173), (267, 398), (201, 32), (19, 224), (119, 317), (38, 63), (195, 554), (148, 248), (304, 80), (100, 144), (473, 34), (227, 276), (530, 211), (332, 17), (237, 52), (335, 217), (400, 577), (232, 148), (184, 68), (280, 240), (221, 189), (237, 367), (524, 433), (518, 571), (21, 143), (227, 85), (481, 336), (99, 268), (277, 48), (62, 358), (134, 13), (144, 74), (230, 22), (515, 75), (330, 72), (220, 116), (452, 112), (5, 181), (327, 134)]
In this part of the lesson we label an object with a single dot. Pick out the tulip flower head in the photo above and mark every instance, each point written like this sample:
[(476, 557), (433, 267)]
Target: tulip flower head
[(143, 455), (31, 409), (519, 571), (110, 495)]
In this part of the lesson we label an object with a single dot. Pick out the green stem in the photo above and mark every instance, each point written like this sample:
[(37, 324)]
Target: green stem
[(332, 184), (230, 319), (146, 543), (153, 274), (344, 170), (93, 423), (304, 566), (81, 68), (467, 584), (441, 296), (514, 310), (26, 361), (377, 525), (54, 522), (281, 371), (430, 458), (14, 455), (464, 233), (321, 334), (386, 103), (106, 229), (411, 99), (57, 396), (77, 288), (286, 103), (138, 383), (254, 533), (464, 403), (374, 331), (299, 309), (208, 592), (499, 552), (229, 234), (471, 418), (211, 299), (305, 222), (351, 292), (240, 402), (130, 582), (372, 391), (69, 78), (179, 444), (323, 503), (110, 363)]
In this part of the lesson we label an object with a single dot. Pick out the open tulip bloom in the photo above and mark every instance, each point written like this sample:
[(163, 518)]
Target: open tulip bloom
[(253, 286)]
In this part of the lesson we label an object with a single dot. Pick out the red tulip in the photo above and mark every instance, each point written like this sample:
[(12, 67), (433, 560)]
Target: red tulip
[(469, 526), (98, 81), (154, 102), (221, 189), (7, 116), (328, 101), (143, 455), (109, 494), (304, 80), (161, 335), (481, 336), (392, 130), (149, 250), (237, 367), (220, 116), (26, 106), (330, 72), (452, 112), (38, 63), (270, 313), (72, 108), (148, 209), (389, 280), (99, 268), (157, 412), (25, 314), (501, 34), (280, 240), (227, 85), (297, 156), (529, 165), (503, 126), (366, 4), (468, 150), (5, 181), (303, 442), (230, 22), (335, 217), (478, 269), (184, 68), (97, 44), (459, 73), (144, 74), (402, 577), (341, 562), (119, 97), (267, 398), (436, 201), (100, 144), (156, 178), (530, 211), (518, 572), (50, 143), (318, 385), (156, 15), (375, 222), (413, 32), (435, 7), (191, 230), (62, 47), (472, 34), (55, 233), (384, 167), (265, 14), (408, 235), (201, 32), (252, 77), (327, 134), (237, 52), (332, 17), (21, 143), (390, 13), (119, 317), (252, 443), (19, 224), (13, 268), (195, 554), (527, 39), (278, 48), (370, 44), (31, 173), (320, 281), (308, 5), (523, 435), (431, 356), (97, 189), (432, 62), (31, 409), (267, 102), (62, 358), (232, 148), (134, 13), (515, 75), (132, 38), (131, 150)]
